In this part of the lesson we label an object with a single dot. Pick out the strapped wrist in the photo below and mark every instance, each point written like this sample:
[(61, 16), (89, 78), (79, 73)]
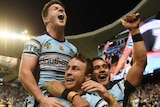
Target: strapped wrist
[(68, 95), (65, 93), (71, 95), (137, 37), (74, 96)]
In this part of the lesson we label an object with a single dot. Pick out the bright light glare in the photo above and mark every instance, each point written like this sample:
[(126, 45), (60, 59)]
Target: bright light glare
[(4, 34), (25, 32)]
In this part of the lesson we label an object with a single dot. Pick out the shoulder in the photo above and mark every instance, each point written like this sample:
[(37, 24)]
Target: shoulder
[(73, 47), (69, 43), (95, 100), (41, 37), (118, 86)]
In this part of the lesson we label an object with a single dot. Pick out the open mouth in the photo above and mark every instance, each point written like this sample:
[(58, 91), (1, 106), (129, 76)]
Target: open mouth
[(61, 16), (102, 76), (69, 80)]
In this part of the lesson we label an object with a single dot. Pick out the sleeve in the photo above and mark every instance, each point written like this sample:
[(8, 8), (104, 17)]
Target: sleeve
[(32, 48)]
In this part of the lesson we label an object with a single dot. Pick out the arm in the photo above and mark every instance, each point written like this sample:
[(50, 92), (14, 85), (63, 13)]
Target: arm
[(135, 74), (27, 66), (56, 88), (139, 63), (92, 86)]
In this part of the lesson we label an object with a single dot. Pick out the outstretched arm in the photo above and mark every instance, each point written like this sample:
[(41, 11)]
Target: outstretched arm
[(135, 74)]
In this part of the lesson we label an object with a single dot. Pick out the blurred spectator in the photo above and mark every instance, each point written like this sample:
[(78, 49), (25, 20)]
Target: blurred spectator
[(13, 95)]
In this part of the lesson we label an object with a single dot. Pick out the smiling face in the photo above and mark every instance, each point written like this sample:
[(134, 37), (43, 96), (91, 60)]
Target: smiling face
[(75, 74), (101, 72)]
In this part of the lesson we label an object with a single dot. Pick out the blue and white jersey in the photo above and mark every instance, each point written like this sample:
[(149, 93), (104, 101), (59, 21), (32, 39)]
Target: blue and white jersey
[(93, 100), (118, 91), (53, 56)]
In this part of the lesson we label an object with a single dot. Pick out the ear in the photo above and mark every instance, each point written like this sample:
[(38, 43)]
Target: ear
[(88, 77), (45, 20)]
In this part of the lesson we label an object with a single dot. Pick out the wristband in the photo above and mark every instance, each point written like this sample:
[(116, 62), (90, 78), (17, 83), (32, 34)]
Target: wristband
[(70, 95), (65, 93), (137, 37), (74, 96)]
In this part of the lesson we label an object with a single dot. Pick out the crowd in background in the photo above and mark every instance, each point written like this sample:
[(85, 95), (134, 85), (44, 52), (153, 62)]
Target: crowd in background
[(12, 95), (147, 95)]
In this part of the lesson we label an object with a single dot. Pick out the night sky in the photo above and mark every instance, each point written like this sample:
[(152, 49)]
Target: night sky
[(83, 15)]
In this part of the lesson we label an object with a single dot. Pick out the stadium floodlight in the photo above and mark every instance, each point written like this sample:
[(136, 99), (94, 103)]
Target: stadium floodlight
[(9, 35)]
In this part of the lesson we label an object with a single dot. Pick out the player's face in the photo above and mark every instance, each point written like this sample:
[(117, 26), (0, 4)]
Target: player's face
[(75, 74), (101, 72), (56, 15)]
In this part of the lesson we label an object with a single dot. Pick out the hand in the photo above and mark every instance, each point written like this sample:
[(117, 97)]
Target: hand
[(131, 22), (92, 86), (79, 102), (50, 102)]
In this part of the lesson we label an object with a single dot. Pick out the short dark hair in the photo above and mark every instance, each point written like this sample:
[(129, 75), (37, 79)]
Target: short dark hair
[(44, 12), (85, 59), (99, 58), (96, 58)]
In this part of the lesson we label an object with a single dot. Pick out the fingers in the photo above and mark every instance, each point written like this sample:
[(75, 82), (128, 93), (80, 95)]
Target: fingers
[(132, 17), (51, 102), (122, 20), (90, 86), (57, 104)]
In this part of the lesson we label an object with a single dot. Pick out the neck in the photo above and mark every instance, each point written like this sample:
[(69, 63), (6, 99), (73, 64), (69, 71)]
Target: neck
[(57, 34)]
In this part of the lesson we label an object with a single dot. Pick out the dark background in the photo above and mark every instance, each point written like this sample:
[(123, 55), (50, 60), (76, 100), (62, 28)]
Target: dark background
[(83, 15)]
